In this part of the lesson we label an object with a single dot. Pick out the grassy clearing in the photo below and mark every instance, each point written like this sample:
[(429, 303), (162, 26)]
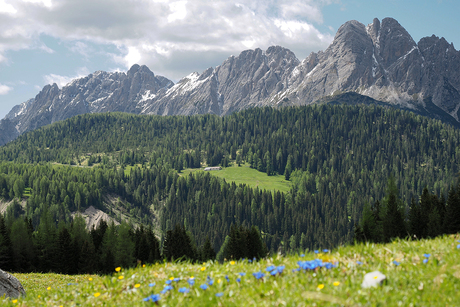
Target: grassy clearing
[(410, 282), (251, 177)]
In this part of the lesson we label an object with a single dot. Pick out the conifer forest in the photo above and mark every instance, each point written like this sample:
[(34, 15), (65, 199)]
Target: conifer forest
[(356, 173)]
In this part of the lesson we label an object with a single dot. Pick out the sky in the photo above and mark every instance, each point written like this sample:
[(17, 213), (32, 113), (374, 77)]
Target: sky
[(54, 41)]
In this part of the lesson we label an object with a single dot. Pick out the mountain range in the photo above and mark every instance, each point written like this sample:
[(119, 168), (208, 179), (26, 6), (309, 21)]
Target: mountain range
[(378, 63)]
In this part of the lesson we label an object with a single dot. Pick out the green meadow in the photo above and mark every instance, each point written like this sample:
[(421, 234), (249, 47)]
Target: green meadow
[(418, 273), (245, 175)]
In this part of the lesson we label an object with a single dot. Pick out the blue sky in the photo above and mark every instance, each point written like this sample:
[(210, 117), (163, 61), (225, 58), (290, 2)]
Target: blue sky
[(47, 41)]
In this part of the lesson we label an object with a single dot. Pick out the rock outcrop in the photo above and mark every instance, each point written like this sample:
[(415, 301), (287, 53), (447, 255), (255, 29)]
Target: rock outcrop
[(10, 286)]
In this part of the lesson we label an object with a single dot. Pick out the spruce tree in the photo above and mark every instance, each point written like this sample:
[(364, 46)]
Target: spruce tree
[(393, 221), (451, 221)]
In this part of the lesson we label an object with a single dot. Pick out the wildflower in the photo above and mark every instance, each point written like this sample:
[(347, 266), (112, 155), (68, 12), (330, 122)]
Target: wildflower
[(219, 294), (154, 298), (117, 269), (359, 262), (295, 270), (458, 246), (325, 250), (14, 301), (204, 286), (258, 275), (203, 268), (336, 283), (249, 260), (152, 284), (49, 288), (228, 279), (121, 277), (143, 265), (241, 273), (177, 279), (137, 285), (184, 290), (168, 282), (427, 255), (320, 286), (166, 289), (270, 268), (302, 255), (72, 284), (210, 282), (425, 260), (219, 281), (96, 294), (238, 280), (191, 281), (316, 251), (396, 262), (90, 278), (232, 262)]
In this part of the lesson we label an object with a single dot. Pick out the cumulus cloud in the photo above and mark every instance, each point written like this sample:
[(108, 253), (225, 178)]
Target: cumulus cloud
[(4, 89), (64, 80), (159, 32)]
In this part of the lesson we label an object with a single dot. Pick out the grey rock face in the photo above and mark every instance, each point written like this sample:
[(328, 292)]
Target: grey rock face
[(10, 286), (380, 60)]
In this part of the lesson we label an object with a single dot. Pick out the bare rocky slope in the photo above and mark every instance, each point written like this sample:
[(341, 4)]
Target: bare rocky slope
[(380, 60)]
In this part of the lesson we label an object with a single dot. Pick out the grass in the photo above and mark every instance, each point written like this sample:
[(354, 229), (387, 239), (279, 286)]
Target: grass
[(251, 177), (410, 283)]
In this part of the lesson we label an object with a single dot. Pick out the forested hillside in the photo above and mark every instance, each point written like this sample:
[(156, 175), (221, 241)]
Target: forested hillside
[(337, 157)]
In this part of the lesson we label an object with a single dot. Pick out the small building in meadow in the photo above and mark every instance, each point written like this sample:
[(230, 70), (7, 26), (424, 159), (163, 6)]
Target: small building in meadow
[(213, 168)]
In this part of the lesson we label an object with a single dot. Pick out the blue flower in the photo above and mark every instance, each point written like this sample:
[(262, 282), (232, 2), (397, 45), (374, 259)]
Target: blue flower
[(228, 279), (270, 268), (191, 281), (295, 270), (396, 262), (426, 255), (325, 250), (210, 282), (166, 289), (425, 260), (458, 246), (316, 251), (72, 284), (152, 284), (238, 279), (219, 294), (302, 255), (154, 298), (168, 282), (359, 262), (177, 279), (249, 260), (242, 273), (184, 290), (204, 286), (258, 275)]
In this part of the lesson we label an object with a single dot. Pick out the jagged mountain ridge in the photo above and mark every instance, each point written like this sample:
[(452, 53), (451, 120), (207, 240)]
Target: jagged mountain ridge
[(380, 60)]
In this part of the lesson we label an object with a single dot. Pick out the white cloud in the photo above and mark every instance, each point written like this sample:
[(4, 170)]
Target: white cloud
[(156, 32), (64, 80), (5, 89), (7, 8)]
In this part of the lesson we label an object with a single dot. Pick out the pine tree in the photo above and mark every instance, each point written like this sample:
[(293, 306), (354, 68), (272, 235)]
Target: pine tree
[(451, 221), (393, 221)]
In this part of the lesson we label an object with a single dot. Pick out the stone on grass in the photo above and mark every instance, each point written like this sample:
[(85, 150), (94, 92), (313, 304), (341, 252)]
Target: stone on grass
[(10, 286), (373, 279)]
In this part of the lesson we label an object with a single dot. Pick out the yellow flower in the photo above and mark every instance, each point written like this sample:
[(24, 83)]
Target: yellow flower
[(232, 262), (96, 294), (219, 281), (90, 278), (320, 286), (118, 269), (203, 268), (375, 277), (39, 296), (336, 283), (15, 301), (192, 277), (49, 288), (171, 278), (137, 285), (143, 265), (121, 277), (155, 274)]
